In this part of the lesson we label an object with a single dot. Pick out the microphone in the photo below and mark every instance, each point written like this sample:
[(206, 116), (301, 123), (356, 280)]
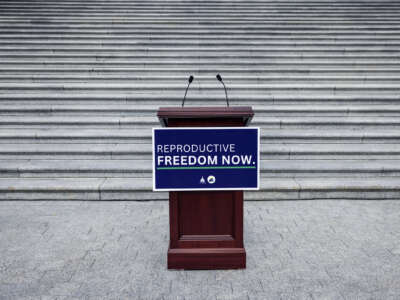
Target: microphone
[(226, 94), (190, 80)]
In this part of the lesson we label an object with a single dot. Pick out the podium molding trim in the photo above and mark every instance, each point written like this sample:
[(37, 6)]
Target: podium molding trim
[(207, 258)]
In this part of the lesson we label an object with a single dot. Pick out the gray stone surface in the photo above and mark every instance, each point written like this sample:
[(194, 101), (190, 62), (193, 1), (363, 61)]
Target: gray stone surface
[(117, 250)]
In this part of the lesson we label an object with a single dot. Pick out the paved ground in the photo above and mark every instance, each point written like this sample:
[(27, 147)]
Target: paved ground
[(117, 250)]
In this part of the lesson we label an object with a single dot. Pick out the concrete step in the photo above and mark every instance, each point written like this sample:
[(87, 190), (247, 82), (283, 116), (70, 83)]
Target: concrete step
[(143, 136), (195, 99), (200, 88), (51, 55), (202, 19), (204, 11), (308, 21), (61, 77), (140, 189), (137, 122), (300, 6), (71, 151), (33, 27), (223, 3), (197, 5), (182, 35), (55, 13), (12, 51), (37, 10), (323, 37), (252, 19), (195, 65), (195, 61), (150, 110), (183, 71), (220, 3), (143, 168), (148, 42), (195, 44)]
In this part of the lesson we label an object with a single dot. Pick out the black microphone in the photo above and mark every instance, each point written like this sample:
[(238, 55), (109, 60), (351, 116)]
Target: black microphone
[(189, 82), (226, 94)]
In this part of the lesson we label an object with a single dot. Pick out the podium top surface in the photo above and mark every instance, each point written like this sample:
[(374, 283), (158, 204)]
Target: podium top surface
[(166, 114)]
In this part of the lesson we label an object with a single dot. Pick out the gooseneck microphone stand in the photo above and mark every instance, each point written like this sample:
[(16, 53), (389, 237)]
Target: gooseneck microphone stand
[(190, 80), (226, 94)]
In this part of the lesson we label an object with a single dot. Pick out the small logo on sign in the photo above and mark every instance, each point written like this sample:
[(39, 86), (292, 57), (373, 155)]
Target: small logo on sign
[(211, 179), (202, 181)]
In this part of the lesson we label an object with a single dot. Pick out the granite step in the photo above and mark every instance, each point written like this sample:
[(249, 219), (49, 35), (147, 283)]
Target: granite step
[(143, 168), (138, 189), (143, 122), (143, 136), (134, 151), (38, 110)]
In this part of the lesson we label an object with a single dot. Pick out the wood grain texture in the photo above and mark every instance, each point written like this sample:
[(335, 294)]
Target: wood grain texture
[(206, 227), (205, 116), (206, 219)]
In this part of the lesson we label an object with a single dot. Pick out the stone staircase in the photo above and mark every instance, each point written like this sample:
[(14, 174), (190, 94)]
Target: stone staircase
[(80, 83)]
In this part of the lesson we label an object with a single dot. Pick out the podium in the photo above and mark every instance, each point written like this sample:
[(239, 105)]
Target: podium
[(206, 227)]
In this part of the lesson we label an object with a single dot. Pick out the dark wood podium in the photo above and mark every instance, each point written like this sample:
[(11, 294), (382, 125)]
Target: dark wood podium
[(206, 227)]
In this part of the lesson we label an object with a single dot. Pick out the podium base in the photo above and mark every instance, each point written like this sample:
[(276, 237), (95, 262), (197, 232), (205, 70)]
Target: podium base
[(207, 258)]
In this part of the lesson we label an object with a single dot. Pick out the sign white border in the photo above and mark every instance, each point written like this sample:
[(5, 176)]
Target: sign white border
[(206, 189)]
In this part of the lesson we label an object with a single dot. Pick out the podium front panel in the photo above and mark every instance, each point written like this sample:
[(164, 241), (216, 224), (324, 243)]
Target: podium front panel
[(208, 219)]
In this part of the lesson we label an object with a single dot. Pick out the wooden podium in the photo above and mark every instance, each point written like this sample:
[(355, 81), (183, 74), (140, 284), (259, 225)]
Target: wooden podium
[(206, 227)]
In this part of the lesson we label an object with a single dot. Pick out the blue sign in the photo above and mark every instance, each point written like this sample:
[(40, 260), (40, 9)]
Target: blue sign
[(211, 158)]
